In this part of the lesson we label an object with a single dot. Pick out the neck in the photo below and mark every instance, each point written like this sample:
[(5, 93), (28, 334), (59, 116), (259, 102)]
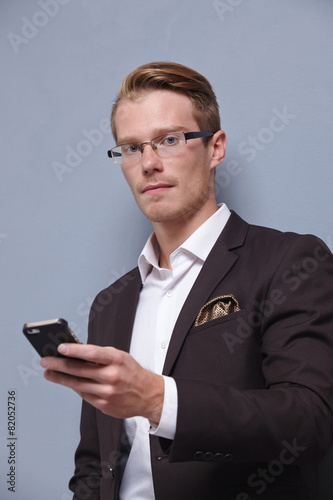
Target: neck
[(171, 234)]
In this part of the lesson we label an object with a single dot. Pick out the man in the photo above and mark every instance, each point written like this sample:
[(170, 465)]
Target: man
[(212, 361)]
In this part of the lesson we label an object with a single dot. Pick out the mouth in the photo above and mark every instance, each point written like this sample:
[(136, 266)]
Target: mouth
[(155, 189)]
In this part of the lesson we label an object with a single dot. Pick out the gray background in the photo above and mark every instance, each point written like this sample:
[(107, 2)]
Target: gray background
[(68, 224)]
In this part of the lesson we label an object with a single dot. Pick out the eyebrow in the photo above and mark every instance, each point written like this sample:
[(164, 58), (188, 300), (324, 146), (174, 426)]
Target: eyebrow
[(161, 131)]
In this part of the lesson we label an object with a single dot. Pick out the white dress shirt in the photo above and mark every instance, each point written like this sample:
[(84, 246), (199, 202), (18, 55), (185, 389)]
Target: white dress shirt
[(162, 296)]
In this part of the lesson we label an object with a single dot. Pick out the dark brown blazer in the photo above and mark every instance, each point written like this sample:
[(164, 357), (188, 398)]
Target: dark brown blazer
[(255, 387)]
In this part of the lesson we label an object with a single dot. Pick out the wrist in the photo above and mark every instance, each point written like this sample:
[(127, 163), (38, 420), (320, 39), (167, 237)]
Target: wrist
[(155, 398)]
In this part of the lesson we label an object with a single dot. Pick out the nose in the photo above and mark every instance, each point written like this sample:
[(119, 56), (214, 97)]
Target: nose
[(149, 160)]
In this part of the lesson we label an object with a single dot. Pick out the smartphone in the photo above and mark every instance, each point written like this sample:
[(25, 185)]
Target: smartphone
[(45, 336)]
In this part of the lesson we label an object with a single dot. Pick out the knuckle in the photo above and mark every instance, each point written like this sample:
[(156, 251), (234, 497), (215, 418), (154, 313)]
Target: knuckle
[(92, 353), (107, 392)]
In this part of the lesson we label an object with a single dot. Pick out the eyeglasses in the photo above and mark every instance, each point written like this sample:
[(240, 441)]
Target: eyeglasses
[(165, 146)]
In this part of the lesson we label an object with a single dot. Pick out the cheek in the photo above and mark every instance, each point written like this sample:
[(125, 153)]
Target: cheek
[(197, 176), (128, 178)]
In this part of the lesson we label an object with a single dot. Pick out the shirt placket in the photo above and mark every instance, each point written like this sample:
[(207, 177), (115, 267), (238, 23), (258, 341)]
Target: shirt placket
[(164, 322)]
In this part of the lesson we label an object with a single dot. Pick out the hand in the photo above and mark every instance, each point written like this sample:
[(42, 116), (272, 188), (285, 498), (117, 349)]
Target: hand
[(114, 382)]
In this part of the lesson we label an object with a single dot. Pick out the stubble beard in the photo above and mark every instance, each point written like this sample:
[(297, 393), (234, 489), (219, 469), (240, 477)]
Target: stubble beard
[(159, 211)]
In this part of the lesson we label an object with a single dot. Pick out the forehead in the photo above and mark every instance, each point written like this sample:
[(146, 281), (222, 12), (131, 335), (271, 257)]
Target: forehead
[(152, 113)]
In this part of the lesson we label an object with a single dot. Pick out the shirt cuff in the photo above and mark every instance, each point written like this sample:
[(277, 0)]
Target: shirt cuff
[(168, 421)]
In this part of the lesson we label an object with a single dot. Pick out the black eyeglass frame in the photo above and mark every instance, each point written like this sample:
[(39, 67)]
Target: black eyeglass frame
[(187, 135)]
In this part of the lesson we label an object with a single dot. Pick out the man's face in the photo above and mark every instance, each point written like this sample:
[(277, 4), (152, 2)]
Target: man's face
[(166, 189)]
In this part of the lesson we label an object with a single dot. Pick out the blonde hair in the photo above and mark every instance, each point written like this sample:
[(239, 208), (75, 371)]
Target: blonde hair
[(178, 78)]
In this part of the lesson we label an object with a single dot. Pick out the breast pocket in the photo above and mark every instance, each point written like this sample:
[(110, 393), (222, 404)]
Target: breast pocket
[(218, 323), (221, 351)]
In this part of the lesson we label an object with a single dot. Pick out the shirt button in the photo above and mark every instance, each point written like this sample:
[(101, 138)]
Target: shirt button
[(163, 344), (169, 293)]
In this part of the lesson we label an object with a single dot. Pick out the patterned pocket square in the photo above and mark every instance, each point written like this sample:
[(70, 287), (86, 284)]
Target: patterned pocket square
[(216, 308)]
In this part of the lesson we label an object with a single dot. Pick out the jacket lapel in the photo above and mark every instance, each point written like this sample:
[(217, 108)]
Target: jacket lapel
[(217, 265), (126, 309), (127, 305)]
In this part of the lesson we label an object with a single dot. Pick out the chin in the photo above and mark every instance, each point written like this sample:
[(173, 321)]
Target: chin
[(167, 215), (159, 210), (156, 216), (160, 213)]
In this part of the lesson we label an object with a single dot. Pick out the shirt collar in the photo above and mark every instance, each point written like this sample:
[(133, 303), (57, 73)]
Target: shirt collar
[(199, 244), (149, 257)]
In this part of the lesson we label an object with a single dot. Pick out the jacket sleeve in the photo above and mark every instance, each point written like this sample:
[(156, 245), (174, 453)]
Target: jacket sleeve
[(102, 451), (292, 328), (86, 480), (85, 483)]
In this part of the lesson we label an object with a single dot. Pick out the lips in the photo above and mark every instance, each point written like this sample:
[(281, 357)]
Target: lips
[(155, 189)]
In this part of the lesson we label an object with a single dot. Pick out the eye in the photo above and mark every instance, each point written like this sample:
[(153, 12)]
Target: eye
[(170, 140), (129, 149)]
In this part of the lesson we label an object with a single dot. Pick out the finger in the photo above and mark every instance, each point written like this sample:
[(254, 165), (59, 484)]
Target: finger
[(74, 368), (89, 352), (105, 375), (92, 392), (78, 384)]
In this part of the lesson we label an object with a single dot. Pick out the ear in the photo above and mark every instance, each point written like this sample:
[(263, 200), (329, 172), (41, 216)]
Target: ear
[(218, 144)]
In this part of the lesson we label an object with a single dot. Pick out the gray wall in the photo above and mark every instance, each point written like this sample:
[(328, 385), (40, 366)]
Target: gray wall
[(68, 224)]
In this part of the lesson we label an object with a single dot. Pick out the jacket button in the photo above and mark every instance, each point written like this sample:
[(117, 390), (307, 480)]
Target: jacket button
[(228, 457), (218, 457), (198, 455), (208, 456)]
